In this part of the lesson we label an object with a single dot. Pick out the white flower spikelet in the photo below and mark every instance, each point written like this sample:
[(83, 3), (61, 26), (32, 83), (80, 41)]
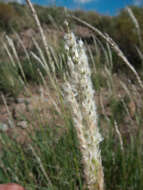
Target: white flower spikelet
[(81, 87), (77, 119)]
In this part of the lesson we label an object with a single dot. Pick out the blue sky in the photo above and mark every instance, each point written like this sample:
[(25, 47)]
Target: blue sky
[(108, 7)]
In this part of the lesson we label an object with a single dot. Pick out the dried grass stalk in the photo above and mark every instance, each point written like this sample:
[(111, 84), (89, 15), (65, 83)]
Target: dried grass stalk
[(79, 90), (114, 46)]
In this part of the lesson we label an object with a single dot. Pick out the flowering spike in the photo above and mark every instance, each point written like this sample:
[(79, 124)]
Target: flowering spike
[(80, 95)]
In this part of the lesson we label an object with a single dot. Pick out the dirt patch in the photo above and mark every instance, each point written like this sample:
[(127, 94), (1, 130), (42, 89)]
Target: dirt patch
[(37, 110)]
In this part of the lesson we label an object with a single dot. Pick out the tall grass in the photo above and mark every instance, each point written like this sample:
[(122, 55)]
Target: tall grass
[(60, 140)]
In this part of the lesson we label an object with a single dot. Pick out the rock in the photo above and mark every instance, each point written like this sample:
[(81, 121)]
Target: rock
[(46, 99), (3, 127), (22, 124), (22, 100)]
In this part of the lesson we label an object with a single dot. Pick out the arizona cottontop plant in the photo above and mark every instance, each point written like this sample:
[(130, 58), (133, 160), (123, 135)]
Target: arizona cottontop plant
[(79, 94)]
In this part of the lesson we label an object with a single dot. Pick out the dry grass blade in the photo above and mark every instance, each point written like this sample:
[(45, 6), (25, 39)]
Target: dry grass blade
[(137, 26), (43, 37), (9, 54), (119, 135), (114, 46), (22, 45), (12, 46), (38, 25)]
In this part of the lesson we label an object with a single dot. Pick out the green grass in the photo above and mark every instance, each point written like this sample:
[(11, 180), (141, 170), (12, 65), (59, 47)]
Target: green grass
[(59, 155), (123, 170), (10, 83), (61, 159)]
